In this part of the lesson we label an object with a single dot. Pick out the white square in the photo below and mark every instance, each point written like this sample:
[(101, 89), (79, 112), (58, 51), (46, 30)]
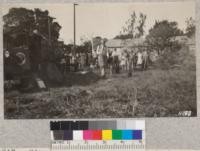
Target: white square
[(52, 137), (78, 135), (130, 124), (140, 125)]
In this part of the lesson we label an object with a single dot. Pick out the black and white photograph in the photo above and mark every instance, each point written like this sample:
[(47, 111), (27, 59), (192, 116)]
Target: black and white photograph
[(99, 60)]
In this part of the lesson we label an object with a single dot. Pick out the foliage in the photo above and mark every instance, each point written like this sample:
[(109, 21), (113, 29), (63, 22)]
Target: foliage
[(161, 33), (140, 26), (21, 19), (96, 41), (134, 27), (68, 48), (20, 22), (127, 36), (85, 47), (17, 25), (190, 30), (182, 58)]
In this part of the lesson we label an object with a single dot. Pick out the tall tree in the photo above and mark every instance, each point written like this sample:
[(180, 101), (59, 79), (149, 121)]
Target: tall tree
[(190, 30), (96, 41), (86, 47), (17, 25), (20, 19), (161, 33), (140, 27), (44, 22), (20, 22), (134, 27)]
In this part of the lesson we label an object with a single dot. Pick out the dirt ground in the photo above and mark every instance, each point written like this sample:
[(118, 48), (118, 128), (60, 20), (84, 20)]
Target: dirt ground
[(151, 93)]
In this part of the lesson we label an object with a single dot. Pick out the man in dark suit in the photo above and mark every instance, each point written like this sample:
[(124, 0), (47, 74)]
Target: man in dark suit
[(35, 51)]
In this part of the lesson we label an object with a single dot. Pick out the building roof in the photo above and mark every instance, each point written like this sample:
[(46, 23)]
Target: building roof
[(119, 43), (184, 39), (134, 42), (114, 43), (180, 39), (191, 40)]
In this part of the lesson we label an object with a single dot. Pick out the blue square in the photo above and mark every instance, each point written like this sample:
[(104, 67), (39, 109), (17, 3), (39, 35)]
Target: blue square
[(127, 134), (137, 134)]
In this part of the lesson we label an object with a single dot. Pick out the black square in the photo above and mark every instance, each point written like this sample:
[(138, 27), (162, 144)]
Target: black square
[(83, 125), (54, 125), (65, 125)]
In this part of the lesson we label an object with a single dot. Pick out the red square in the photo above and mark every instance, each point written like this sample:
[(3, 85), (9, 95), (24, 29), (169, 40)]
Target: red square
[(97, 135)]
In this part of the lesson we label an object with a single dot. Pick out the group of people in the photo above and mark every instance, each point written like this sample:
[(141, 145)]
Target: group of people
[(76, 62), (126, 61), (106, 60)]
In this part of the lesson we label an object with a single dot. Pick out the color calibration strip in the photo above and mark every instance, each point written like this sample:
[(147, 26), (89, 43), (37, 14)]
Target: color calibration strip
[(98, 135), (97, 130)]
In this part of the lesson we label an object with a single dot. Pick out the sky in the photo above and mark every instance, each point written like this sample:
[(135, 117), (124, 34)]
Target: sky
[(107, 19)]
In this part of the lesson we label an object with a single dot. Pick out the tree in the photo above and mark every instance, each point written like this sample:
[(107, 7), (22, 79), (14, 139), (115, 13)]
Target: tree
[(190, 29), (86, 47), (127, 36), (20, 22), (161, 33), (20, 18), (140, 27), (68, 48), (86, 44), (96, 41), (43, 20), (17, 26), (134, 27)]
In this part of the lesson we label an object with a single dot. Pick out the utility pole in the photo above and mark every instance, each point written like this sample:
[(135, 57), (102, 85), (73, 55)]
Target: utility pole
[(75, 28)]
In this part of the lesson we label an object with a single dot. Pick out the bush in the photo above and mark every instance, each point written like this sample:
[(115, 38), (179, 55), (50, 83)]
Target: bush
[(176, 58)]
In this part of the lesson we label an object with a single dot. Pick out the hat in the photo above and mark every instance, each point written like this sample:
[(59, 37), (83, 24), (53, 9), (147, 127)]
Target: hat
[(35, 31)]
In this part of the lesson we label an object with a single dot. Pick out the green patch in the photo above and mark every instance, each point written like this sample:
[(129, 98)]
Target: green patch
[(116, 134)]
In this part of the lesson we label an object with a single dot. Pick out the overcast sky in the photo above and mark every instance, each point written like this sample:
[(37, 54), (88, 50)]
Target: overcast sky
[(107, 19)]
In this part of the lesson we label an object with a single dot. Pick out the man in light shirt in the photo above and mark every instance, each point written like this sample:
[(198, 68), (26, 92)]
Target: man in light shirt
[(101, 53), (139, 58)]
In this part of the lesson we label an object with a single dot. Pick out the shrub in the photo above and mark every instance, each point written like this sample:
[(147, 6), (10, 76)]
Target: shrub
[(176, 58)]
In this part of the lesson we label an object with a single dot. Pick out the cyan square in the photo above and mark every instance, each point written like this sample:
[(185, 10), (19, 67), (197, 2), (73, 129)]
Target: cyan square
[(127, 134)]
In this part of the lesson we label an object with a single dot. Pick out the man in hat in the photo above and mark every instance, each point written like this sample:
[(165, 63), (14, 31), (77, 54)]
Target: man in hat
[(35, 51)]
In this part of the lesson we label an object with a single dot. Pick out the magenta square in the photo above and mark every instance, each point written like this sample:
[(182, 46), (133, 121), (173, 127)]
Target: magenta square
[(87, 135)]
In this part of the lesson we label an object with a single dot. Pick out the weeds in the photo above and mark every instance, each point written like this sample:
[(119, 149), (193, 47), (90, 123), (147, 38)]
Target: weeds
[(159, 92)]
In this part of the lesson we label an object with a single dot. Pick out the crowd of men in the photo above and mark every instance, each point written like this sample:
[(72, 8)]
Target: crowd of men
[(106, 60)]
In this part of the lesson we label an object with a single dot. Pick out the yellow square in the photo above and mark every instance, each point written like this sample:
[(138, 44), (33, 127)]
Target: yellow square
[(106, 134)]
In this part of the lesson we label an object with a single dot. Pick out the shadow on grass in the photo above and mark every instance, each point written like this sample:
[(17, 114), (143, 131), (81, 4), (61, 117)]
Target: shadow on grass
[(80, 78)]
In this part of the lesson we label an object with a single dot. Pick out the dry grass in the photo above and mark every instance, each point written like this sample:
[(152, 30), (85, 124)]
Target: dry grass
[(160, 92)]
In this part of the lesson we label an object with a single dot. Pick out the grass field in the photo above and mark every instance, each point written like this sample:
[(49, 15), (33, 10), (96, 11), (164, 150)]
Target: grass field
[(151, 93)]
